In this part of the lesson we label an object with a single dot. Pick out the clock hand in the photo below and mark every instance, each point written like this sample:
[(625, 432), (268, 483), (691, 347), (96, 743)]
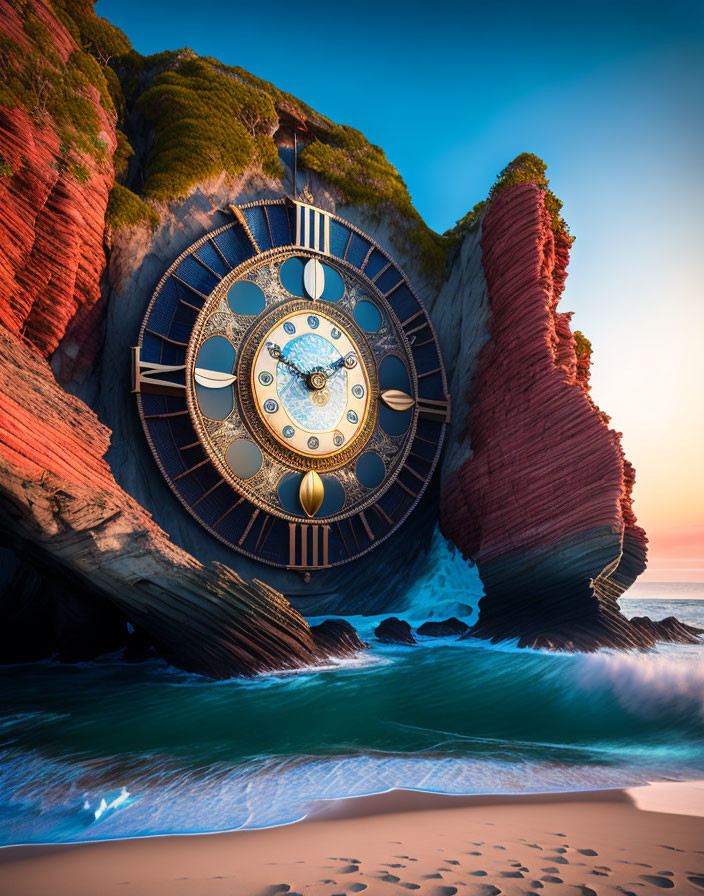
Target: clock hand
[(279, 356)]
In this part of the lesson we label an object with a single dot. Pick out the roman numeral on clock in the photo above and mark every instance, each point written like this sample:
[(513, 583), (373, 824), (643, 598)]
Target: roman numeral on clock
[(438, 410), (150, 378), (310, 222), (307, 546)]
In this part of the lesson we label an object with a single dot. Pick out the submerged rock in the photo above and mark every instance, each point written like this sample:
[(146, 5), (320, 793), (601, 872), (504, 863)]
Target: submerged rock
[(336, 637), (447, 628), (394, 631)]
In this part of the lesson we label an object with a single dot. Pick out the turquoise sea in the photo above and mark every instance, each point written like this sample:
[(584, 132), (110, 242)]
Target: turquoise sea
[(110, 749)]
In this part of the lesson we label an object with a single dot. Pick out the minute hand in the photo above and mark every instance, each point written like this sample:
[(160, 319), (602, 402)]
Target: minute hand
[(334, 367)]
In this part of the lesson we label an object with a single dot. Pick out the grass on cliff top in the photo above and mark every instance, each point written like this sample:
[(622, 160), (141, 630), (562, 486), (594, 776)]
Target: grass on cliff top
[(525, 168), (56, 93), (206, 118), (125, 209)]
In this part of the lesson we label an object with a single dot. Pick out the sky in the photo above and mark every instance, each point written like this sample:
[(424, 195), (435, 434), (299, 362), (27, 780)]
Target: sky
[(610, 95)]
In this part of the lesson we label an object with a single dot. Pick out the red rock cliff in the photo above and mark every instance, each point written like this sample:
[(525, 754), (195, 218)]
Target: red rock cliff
[(51, 229), (543, 501)]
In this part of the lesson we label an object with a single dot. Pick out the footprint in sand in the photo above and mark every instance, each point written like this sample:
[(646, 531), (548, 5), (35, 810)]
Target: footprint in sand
[(560, 860), (534, 846), (664, 883), (697, 881), (587, 852), (550, 870), (444, 891), (357, 888), (487, 890), (474, 853), (280, 889), (389, 878), (550, 879), (393, 865), (349, 869), (536, 885), (431, 877), (410, 886), (586, 891), (673, 848), (478, 873), (452, 861), (510, 874)]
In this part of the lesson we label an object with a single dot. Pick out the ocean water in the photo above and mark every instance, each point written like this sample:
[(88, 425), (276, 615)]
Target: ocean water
[(108, 749)]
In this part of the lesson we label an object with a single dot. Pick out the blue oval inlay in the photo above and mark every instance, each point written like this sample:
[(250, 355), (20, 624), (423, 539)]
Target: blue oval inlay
[(352, 416), (394, 423), (393, 375), (370, 469), (334, 285), (313, 322), (358, 391), (292, 275), (245, 297), (216, 353), (313, 443), (271, 406), (244, 458), (367, 316), (334, 497), (288, 489), (265, 378), (289, 328), (335, 333), (215, 404), (289, 432)]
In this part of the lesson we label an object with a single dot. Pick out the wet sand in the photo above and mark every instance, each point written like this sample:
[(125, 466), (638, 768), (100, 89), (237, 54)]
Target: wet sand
[(400, 843)]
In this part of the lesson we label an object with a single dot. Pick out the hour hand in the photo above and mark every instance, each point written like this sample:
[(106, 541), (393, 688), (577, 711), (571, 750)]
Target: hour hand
[(278, 355)]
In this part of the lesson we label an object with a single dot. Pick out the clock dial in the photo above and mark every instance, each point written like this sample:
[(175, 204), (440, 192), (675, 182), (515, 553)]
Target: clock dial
[(291, 386), (310, 388)]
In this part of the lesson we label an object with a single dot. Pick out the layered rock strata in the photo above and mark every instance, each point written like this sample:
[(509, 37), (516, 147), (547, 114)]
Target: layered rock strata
[(536, 488), (51, 229), (60, 506)]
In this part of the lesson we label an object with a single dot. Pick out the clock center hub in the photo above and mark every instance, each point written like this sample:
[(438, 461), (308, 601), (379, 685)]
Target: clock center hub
[(316, 381)]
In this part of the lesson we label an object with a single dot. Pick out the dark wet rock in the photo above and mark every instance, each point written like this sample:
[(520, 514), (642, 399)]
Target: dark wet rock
[(336, 637), (394, 631), (448, 628)]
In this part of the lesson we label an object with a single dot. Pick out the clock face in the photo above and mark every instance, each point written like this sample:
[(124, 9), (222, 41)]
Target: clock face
[(291, 387), (310, 388)]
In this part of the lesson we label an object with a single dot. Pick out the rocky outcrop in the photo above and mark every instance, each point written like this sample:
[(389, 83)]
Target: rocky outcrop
[(336, 637), (61, 509), (443, 628), (537, 490), (394, 631), (51, 229)]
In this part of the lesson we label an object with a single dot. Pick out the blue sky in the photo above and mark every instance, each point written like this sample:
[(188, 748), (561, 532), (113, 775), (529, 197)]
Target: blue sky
[(610, 95)]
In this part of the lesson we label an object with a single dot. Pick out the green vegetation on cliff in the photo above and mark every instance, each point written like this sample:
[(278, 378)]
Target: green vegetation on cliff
[(206, 118), (58, 92), (125, 209), (525, 168)]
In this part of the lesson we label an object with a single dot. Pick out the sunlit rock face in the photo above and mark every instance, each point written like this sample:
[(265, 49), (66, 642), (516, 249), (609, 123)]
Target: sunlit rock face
[(51, 227), (535, 486), (61, 508)]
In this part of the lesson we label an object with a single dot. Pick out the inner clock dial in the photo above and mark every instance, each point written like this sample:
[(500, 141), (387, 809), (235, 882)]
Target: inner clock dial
[(310, 385)]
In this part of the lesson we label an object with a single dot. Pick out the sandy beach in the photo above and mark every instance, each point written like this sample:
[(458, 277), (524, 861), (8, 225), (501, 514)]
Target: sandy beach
[(591, 843)]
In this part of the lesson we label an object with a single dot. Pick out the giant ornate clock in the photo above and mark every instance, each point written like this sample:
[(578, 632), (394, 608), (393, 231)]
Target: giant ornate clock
[(291, 387)]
